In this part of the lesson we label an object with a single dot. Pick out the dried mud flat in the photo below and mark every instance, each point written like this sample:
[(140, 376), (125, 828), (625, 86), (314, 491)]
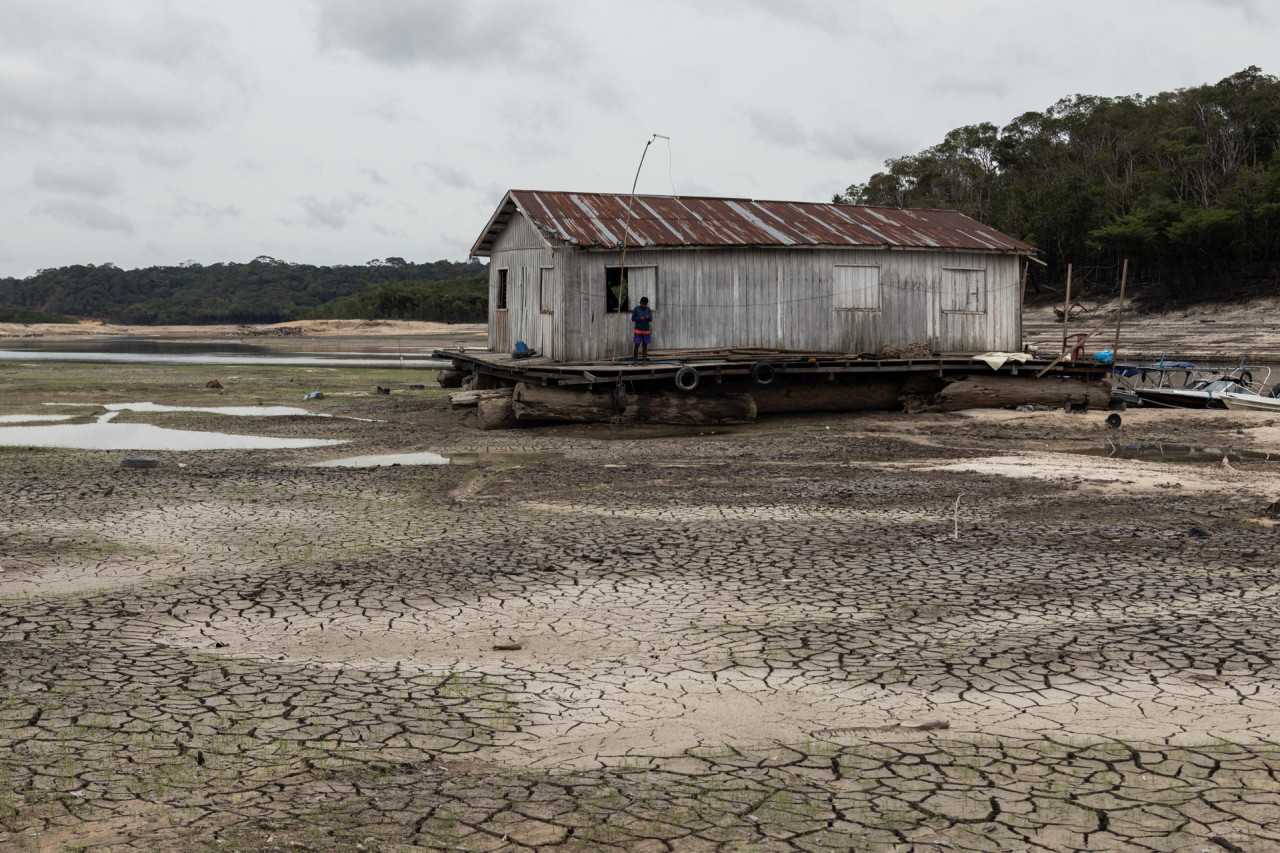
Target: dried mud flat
[(873, 632)]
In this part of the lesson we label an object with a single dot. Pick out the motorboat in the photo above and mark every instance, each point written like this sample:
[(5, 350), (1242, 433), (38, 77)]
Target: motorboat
[(1200, 394), (1183, 385), (1250, 400)]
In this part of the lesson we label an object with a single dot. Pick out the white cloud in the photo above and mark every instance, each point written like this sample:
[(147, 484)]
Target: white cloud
[(93, 217), (93, 181), (147, 65), (448, 176), (831, 139), (185, 207), (444, 33), (329, 213)]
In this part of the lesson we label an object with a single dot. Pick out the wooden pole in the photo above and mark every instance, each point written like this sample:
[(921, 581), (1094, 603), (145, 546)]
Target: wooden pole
[(1115, 347), (1066, 310), (623, 284), (1022, 299)]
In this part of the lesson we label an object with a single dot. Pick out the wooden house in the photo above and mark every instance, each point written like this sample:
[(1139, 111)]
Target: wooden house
[(726, 273)]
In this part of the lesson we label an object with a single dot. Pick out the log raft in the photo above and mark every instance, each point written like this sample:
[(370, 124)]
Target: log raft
[(543, 403), (508, 392)]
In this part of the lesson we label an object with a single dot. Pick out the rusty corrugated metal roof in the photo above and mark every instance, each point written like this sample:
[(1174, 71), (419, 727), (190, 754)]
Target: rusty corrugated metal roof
[(597, 220)]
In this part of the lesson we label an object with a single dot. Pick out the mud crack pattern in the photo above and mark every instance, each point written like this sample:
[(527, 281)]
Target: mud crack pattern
[(756, 644)]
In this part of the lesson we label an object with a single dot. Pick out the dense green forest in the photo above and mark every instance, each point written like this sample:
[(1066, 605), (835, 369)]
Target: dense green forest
[(1185, 184), (10, 314), (264, 290)]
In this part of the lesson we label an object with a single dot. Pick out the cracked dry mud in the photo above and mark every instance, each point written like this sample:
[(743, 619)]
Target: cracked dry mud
[(788, 638)]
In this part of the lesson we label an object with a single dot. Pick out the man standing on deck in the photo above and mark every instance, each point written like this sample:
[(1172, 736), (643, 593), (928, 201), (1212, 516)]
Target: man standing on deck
[(641, 316)]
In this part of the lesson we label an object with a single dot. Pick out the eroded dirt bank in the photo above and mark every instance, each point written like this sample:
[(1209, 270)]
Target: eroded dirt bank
[(868, 632)]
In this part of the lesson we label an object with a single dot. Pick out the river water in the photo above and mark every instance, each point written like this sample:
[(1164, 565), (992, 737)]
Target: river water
[(339, 352)]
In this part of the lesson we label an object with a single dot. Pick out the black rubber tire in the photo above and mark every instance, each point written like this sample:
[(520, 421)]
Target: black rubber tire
[(139, 462), (763, 373), (619, 400), (687, 378), (1114, 421)]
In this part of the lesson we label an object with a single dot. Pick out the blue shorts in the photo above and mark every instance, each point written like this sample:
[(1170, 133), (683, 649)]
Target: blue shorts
[(640, 338)]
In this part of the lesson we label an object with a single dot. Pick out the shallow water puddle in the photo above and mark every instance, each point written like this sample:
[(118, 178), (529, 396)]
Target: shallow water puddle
[(237, 411), (425, 458), (384, 460), (18, 419), (108, 436), (105, 435)]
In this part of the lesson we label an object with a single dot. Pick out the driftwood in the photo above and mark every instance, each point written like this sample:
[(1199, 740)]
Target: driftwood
[(495, 413), (450, 378), (546, 403), (993, 392), (465, 399), (877, 394)]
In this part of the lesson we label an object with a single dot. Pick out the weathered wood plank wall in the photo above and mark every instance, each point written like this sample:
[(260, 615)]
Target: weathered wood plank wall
[(779, 298), (520, 252), (770, 298)]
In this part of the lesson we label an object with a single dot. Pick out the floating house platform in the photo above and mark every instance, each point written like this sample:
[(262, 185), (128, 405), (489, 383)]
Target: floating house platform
[(737, 385)]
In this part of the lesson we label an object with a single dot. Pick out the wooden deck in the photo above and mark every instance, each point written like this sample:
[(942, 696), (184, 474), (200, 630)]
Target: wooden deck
[(736, 365)]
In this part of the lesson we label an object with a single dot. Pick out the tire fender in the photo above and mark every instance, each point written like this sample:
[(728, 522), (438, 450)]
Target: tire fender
[(687, 378)]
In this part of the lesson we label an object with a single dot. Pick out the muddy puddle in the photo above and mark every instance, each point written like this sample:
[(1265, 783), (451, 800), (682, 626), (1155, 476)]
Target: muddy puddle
[(426, 458), (1173, 453), (384, 460)]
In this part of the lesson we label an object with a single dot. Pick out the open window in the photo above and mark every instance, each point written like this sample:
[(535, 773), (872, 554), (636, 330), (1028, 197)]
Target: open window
[(857, 288), (619, 286), (500, 299), (964, 291), (616, 297)]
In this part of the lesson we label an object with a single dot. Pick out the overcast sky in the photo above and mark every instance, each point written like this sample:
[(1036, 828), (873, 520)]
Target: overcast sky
[(144, 132)]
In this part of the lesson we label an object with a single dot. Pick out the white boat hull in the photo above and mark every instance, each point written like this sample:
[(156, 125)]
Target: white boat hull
[(1250, 401)]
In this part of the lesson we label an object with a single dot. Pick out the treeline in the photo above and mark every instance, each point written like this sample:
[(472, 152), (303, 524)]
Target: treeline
[(460, 300), (264, 290), (10, 314), (1186, 184)]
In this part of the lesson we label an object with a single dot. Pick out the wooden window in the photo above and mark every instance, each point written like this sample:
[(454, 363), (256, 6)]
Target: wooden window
[(643, 281), (546, 290), (964, 291), (857, 288), (500, 300)]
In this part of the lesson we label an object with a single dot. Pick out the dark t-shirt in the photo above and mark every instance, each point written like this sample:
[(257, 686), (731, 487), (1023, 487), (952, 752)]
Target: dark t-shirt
[(641, 315)]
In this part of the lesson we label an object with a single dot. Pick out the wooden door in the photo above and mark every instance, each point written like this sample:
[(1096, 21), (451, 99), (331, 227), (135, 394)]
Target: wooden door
[(547, 312)]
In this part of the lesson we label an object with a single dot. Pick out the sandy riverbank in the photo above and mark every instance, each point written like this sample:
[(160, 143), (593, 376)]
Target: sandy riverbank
[(308, 328), (1208, 333)]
